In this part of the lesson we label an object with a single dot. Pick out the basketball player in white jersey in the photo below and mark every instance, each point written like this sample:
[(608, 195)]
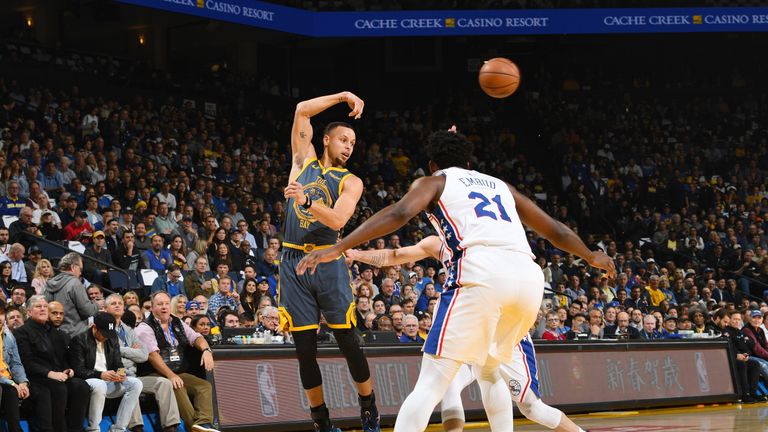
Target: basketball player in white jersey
[(520, 375), (494, 287)]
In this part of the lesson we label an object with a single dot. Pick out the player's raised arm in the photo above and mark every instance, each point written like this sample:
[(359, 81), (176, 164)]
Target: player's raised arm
[(301, 133), (556, 232), (427, 247)]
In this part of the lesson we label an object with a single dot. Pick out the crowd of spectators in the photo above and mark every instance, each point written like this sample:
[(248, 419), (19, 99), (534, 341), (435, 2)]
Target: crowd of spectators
[(676, 192)]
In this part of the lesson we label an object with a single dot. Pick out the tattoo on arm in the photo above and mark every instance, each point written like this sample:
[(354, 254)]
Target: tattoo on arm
[(378, 259), (303, 135)]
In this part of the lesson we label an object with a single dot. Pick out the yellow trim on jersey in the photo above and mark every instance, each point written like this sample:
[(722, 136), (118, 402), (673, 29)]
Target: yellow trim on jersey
[(306, 327), (285, 317), (341, 183), (332, 168), (351, 319), (306, 164), (306, 247)]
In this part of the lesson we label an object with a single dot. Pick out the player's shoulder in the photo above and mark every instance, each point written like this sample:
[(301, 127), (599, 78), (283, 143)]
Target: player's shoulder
[(346, 178)]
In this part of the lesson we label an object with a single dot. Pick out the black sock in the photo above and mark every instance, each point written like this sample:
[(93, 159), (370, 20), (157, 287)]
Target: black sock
[(319, 412), (321, 417), (367, 401)]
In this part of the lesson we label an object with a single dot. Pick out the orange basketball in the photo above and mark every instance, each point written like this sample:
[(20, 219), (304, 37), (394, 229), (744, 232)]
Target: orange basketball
[(499, 77)]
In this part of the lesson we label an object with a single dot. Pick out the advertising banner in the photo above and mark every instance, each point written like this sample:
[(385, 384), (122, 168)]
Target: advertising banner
[(264, 390), (470, 22)]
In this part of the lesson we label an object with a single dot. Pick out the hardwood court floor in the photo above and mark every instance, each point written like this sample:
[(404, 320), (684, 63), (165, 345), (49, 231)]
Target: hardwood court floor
[(719, 418), (723, 418)]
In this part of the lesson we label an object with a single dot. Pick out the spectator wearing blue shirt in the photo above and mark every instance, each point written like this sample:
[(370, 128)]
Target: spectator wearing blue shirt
[(14, 384), (171, 282), (428, 293), (11, 204), (225, 296), (157, 257), (669, 330), (442, 276), (649, 328), (219, 201), (421, 280), (411, 330), (51, 179)]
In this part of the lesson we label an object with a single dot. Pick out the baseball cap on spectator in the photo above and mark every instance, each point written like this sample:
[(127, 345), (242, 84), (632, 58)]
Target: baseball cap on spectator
[(113, 220), (708, 269), (650, 260), (411, 275), (98, 234), (105, 324), (192, 303), (261, 279), (614, 304), (690, 271), (670, 318), (64, 196), (186, 219), (81, 214), (441, 271), (755, 313), (141, 204), (34, 250), (128, 210)]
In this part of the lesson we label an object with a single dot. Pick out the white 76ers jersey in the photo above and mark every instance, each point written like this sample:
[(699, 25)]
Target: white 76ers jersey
[(475, 209)]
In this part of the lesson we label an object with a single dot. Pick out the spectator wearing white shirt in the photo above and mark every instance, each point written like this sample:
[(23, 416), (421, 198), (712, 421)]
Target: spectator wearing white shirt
[(15, 256)]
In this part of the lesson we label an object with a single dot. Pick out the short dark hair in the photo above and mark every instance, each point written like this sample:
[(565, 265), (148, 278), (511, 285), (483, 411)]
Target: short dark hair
[(449, 149), (197, 318), (223, 316), (333, 125)]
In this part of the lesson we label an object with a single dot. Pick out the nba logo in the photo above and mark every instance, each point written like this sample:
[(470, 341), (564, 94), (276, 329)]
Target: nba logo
[(267, 391), (701, 369)]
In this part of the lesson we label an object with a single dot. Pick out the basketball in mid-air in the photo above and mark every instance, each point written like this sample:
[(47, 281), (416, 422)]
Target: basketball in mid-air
[(499, 77)]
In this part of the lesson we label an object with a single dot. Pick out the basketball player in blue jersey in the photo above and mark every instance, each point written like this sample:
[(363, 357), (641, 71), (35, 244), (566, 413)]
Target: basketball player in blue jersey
[(493, 286), (322, 196), (521, 374)]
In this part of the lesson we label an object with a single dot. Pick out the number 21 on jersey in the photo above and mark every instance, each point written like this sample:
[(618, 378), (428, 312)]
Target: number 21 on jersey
[(480, 208)]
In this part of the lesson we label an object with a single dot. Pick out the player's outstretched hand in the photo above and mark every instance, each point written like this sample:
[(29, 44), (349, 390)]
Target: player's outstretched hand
[(311, 260), (355, 104), (452, 129), (603, 261)]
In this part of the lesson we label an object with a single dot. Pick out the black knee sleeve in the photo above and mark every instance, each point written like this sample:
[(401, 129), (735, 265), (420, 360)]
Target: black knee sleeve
[(350, 348), (306, 353)]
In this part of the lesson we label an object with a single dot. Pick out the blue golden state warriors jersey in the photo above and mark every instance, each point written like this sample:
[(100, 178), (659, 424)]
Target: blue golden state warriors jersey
[(323, 185)]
